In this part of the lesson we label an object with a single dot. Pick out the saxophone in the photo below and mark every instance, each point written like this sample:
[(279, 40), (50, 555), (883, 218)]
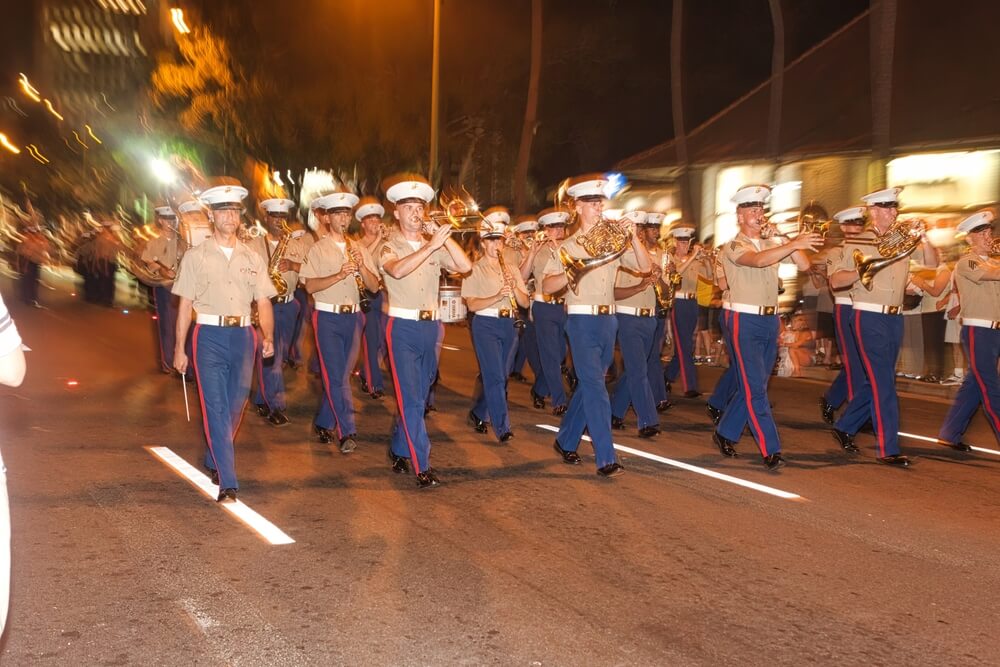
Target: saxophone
[(280, 284)]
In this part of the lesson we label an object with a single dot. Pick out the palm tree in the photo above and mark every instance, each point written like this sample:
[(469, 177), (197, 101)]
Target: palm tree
[(677, 107), (882, 28), (530, 109), (777, 80)]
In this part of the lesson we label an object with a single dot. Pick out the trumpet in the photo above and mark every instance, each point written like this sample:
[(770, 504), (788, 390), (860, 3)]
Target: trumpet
[(457, 213)]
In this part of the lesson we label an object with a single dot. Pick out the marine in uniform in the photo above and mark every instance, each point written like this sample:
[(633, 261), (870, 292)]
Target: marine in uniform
[(219, 279), (523, 230), (494, 294), (33, 252), (548, 313), (410, 262), (162, 256), (751, 266), (878, 330), (977, 276), (331, 271), (841, 390), (591, 325), (283, 255), (373, 231), (726, 385), (684, 315)]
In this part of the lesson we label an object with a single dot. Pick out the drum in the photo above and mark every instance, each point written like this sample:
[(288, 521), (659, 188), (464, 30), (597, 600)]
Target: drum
[(195, 228), (452, 306)]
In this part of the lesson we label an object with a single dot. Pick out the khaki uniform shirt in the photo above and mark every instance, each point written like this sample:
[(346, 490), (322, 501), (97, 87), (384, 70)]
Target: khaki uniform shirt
[(325, 258), (485, 281), (597, 286), (834, 259), (163, 250), (419, 289), (689, 279), (751, 285), (220, 286), (647, 297), (295, 251), (888, 285), (979, 299), (540, 263)]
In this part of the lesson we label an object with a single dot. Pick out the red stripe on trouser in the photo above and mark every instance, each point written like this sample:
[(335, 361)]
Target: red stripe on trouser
[(323, 372), (399, 397), (201, 395), (845, 358), (364, 350), (880, 430), (761, 441), (679, 351), (979, 380)]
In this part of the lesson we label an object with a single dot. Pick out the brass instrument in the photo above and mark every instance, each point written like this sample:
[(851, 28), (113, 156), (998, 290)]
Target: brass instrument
[(457, 213), (672, 279), (273, 272), (130, 254), (515, 243), (995, 247), (813, 219), (604, 243), (901, 239), (518, 322), (363, 301)]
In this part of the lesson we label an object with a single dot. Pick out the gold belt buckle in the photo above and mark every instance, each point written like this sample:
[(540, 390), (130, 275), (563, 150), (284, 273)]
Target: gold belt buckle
[(767, 310), (504, 312), (892, 310), (346, 309), (558, 300), (231, 320), (426, 315), (645, 312), (995, 325), (604, 310)]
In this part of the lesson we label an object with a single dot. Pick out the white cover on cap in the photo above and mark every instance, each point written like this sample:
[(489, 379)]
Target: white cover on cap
[(682, 232), (498, 218), (855, 213), (277, 205), (595, 187), (655, 218), (369, 209), (554, 218), (635, 217), (224, 194), (750, 194), (190, 206), (977, 219), (526, 226), (335, 200), (492, 225), (165, 211), (409, 190), (882, 196)]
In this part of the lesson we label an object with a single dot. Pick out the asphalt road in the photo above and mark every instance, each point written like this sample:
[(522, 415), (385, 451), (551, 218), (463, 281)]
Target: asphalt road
[(517, 559)]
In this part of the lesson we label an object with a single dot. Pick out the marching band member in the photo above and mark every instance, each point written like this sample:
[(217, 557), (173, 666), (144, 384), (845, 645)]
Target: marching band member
[(638, 314), (977, 275), (493, 294), (105, 262), (283, 254), (684, 315), (162, 254), (411, 264), (294, 358), (548, 313), (726, 385), (33, 252), (591, 326), (331, 271), (219, 278), (369, 213), (841, 390), (523, 229), (878, 329), (751, 266)]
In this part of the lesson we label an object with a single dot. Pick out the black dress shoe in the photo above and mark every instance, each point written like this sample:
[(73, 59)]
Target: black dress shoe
[(725, 446), (774, 461), (400, 465), (263, 410), (897, 460), (378, 393), (715, 414), (648, 431), (277, 418), (826, 410), (559, 410), (691, 393), (664, 405), (506, 437), (427, 480), (517, 377), (537, 401), (325, 434), (617, 422), (364, 385), (477, 424), (611, 470), (569, 457), (669, 388), (846, 441), (227, 496), (348, 444), (214, 474), (961, 446)]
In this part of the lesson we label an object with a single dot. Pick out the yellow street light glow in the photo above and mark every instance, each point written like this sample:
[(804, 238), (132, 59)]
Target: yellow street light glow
[(54, 112), (93, 136), (28, 89), (79, 140), (37, 154), (177, 16), (5, 142)]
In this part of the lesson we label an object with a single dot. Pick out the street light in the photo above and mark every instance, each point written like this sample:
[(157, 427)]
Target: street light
[(28, 89), (5, 142), (163, 171), (177, 16)]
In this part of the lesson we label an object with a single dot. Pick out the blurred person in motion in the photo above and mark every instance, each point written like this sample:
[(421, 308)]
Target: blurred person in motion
[(33, 252)]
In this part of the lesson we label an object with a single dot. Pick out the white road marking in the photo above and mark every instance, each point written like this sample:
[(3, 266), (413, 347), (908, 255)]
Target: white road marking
[(770, 490), (451, 347), (936, 441), (239, 509)]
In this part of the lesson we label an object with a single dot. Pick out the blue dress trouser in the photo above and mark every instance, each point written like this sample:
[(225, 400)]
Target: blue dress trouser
[(270, 372), (683, 319), (305, 313), (166, 324), (223, 367), (843, 386), (635, 340), (592, 340), (755, 346), (655, 368), (413, 358), (373, 345), (550, 335), (338, 338), (878, 337), (521, 355), (980, 387), (494, 339), (726, 387)]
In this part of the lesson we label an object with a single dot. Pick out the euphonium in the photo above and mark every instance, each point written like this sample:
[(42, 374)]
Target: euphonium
[(901, 239), (605, 242), (273, 271)]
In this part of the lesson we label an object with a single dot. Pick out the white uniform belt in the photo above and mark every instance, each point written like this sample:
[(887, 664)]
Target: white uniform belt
[(413, 313), (878, 308), (684, 295), (583, 309), (288, 298), (223, 320), (843, 300), (638, 312), (986, 324), (495, 312), (548, 298), (340, 308), (750, 309)]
